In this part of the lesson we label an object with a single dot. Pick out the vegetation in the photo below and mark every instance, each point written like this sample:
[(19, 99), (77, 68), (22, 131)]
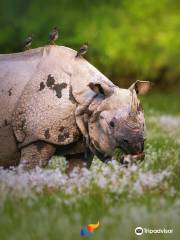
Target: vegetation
[(128, 39)]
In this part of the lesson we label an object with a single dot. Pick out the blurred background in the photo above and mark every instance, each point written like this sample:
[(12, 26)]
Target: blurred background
[(128, 39)]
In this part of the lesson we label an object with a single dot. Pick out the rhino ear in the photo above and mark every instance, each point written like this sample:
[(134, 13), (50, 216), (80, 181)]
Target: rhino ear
[(102, 89), (141, 87)]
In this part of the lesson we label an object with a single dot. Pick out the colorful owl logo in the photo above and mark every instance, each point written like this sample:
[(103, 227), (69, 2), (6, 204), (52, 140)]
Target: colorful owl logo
[(88, 231)]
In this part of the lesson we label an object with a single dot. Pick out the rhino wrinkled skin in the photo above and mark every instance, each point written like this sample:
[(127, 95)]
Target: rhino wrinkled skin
[(52, 102)]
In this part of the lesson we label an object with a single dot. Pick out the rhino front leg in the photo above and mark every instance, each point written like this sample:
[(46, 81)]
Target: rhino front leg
[(78, 161), (36, 154)]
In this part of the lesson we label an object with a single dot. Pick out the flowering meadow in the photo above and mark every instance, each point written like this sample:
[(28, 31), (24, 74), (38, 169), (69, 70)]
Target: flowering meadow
[(47, 204)]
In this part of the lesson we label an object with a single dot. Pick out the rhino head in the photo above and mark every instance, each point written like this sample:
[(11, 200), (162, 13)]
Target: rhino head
[(115, 119)]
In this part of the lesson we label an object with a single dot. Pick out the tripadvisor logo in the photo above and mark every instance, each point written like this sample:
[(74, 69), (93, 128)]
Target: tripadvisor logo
[(139, 231)]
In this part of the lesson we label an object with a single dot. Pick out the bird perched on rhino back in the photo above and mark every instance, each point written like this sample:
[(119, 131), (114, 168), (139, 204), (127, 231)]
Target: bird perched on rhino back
[(83, 50), (28, 42), (53, 36)]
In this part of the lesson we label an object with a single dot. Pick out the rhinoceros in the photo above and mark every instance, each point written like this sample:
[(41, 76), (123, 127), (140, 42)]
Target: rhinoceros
[(54, 103)]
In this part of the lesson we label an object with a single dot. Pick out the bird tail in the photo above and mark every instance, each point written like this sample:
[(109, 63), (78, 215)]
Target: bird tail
[(77, 55)]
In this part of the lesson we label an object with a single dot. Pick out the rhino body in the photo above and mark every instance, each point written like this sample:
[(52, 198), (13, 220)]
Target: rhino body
[(51, 101)]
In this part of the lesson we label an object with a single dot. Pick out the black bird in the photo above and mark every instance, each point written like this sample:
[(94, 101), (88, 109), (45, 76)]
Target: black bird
[(27, 42), (83, 49), (53, 36)]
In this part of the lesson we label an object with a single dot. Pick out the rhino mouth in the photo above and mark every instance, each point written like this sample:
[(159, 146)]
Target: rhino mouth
[(132, 155), (126, 159), (129, 159)]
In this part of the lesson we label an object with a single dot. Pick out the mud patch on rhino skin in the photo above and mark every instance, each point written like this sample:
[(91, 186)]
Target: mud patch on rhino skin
[(40, 145), (58, 89), (71, 97), (41, 86), (21, 112), (61, 129), (10, 92), (63, 134), (47, 134), (50, 81)]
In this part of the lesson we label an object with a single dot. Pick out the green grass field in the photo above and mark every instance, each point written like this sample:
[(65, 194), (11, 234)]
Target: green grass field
[(45, 205)]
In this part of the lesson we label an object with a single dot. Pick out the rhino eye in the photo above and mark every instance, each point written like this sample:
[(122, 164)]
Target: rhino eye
[(111, 124)]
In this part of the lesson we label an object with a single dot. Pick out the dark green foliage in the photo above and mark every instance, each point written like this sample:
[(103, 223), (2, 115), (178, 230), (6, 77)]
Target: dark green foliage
[(128, 39)]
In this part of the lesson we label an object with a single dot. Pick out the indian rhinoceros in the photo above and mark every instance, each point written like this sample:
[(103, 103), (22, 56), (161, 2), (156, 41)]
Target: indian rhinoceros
[(52, 102)]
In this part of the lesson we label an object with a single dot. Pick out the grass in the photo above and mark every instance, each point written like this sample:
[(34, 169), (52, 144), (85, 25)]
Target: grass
[(46, 205), (164, 103)]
